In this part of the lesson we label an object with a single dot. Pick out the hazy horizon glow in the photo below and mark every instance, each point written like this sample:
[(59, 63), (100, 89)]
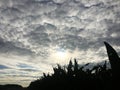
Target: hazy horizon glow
[(35, 35)]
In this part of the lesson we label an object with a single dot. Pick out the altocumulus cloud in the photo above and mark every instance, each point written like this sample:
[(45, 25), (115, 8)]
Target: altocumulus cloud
[(32, 32)]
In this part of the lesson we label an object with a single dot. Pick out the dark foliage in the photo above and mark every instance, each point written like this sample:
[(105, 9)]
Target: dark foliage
[(75, 77), (11, 87)]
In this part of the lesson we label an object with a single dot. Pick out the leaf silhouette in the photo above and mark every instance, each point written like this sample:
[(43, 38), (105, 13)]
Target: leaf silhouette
[(113, 58)]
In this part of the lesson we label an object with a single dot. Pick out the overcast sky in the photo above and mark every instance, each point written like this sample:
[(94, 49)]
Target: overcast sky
[(37, 34)]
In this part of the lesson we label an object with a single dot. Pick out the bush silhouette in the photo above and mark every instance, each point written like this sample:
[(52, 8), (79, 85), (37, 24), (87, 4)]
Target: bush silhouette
[(76, 77)]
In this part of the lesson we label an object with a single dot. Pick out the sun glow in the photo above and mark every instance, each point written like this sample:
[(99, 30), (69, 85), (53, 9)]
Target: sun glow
[(61, 54)]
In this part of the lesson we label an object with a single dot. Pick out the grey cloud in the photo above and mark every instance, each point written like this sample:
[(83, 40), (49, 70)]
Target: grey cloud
[(29, 70), (50, 27), (25, 76), (59, 1), (113, 33), (72, 30), (9, 13), (113, 28), (22, 65), (9, 48), (69, 24), (38, 36), (26, 67)]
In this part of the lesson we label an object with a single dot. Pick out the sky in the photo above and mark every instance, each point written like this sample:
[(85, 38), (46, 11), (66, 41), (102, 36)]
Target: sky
[(35, 35)]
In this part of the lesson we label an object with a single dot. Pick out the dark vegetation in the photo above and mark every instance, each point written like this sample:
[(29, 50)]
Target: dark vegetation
[(11, 87), (76, 77)]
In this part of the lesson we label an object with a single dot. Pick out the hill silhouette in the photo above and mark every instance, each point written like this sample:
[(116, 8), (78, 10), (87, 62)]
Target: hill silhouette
[(77, 77), (11, 87)]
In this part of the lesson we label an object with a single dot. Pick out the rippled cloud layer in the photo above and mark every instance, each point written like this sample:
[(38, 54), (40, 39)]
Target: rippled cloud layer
[(37, 34)]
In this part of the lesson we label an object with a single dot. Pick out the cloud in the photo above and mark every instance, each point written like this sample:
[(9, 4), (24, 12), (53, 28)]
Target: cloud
[(22, 65), (27, 67), (10, 47), (32, 31)]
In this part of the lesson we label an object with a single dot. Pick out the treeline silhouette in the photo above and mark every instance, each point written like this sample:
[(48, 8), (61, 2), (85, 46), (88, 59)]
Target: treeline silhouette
[(77, 77)]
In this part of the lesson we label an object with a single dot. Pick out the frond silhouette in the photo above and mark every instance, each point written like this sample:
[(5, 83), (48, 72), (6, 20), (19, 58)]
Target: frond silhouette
[(113, 58)]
